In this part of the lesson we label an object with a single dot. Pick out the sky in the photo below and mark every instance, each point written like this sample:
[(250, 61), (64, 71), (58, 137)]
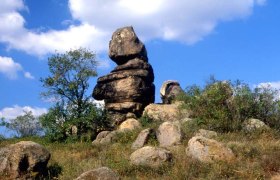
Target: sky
[(186, 40)]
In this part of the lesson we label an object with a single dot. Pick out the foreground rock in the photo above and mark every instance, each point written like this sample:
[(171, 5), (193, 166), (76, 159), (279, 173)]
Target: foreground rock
[(141, 139), (103, 173), (169, 91), (22, 160), (165, 112), (169, 134), (129, 87), (150, 156), (254, 124), (208, 150), (130, 125)]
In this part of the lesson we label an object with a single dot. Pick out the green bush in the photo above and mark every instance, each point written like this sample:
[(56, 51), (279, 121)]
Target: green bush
[(223, 105), (61, 126)]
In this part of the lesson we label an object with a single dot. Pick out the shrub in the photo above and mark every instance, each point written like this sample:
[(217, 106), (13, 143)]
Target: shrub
[(223, 105)]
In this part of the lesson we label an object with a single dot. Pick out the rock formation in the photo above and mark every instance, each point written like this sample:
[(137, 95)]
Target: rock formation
[(169, 90), (129, 87)]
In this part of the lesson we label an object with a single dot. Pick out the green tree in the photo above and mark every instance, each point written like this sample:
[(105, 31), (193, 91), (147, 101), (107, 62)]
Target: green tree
[(24, 125), (67, 84)]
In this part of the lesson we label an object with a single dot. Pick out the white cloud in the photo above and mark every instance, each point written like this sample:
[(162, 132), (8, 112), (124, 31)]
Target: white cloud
[(186, 21), (13, 112), (28, 75), (11, 69)]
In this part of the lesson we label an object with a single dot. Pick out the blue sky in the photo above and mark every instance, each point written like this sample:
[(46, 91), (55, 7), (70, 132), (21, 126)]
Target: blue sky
[(186, 41)]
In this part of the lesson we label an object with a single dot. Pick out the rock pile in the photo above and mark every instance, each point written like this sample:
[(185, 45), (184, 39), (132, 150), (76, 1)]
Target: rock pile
[(129, 87)]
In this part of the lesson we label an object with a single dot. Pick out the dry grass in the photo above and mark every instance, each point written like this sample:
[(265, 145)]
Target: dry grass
[(257, 157)]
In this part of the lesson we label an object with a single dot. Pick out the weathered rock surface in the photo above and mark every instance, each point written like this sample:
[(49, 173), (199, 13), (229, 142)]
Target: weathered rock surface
[(169, 91), (206, 133), (129, 87), (141, 139), (165, 112), (254, 124), (129, 124), (22, 159), (150, 156), (169, 134), (105, 137), (125, 45), (208, 150), (103, 173)]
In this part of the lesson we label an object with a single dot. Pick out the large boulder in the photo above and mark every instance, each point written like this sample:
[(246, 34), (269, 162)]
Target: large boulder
[(208, 150), (254, 124), (169, 134), (165, 112), (169, 91), (103, 173), (150, 156), (141, 139), (129, 87), (22, 160)]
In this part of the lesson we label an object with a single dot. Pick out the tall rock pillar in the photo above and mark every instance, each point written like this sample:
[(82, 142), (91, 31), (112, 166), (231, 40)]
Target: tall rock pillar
[(129, 88)]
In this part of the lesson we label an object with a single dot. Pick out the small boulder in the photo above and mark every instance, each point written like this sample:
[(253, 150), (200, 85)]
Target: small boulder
[(103, 173), (254, 124), (105, 137), (129, 124), (141, 139), (206, 133), (169, 91), (23, 159), (208, 150), (150, 156), (169, 134), (165, 112)]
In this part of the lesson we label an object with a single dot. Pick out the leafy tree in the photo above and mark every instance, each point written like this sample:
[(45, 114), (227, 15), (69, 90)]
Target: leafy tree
[(24, 125), (67, 84), (59, 125)]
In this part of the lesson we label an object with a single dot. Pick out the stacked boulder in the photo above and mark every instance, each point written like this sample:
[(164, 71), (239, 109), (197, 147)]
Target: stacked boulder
[(129, 88)]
